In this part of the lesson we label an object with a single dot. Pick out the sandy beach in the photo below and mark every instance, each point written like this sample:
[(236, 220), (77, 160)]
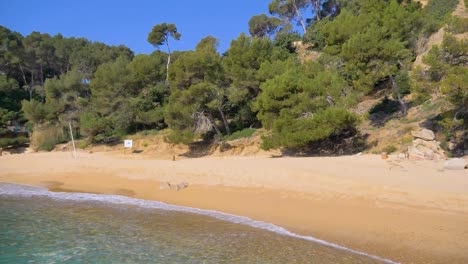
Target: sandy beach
[(407, 211)]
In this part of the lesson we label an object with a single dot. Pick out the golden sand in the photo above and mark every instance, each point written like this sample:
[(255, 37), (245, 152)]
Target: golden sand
[(412, 212)]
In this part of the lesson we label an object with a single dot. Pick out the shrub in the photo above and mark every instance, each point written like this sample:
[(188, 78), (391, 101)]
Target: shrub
[(390, 149), (91, 124), (246, 132), (299, 132), (47, 136), (458, 25), (13, 142), (83, 144)]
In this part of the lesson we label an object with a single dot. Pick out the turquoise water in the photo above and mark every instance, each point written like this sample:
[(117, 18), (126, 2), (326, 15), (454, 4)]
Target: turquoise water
[(37, 226)]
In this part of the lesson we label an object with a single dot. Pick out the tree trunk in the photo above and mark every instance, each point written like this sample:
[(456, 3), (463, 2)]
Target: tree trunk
[(218, 132), (397, 91), (226, 126), (316, 4), (299, 17), (168, 61), (167, 68), (24, 75), (42, 76)]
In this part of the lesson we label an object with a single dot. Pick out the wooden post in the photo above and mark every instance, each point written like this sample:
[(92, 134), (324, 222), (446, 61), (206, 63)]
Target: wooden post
[(73, 141)]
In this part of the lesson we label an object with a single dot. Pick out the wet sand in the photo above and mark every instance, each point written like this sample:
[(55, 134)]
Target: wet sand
[(411, 212)]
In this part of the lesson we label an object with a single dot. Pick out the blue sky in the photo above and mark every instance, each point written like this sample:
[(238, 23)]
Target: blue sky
[(129, 22)]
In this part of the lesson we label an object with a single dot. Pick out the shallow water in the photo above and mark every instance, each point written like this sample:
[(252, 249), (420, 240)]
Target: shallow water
[(38, 226)]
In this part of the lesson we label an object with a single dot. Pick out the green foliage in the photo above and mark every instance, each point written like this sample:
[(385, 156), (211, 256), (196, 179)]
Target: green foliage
[(448, 71), (83, 144), (439, 9), (244, 133), (198, 93), (436, 14), (105, 92), (160, 34), (91, 124), (291, 132), (455, 87), (17, 141), (304, 105), (263, 26), (242, 63), (285, 41), (373, 38), (35, 111), (390, 149), (403, 82), (458, 25)]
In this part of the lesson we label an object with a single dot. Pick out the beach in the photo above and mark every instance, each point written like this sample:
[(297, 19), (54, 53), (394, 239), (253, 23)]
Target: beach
[(406, 211)]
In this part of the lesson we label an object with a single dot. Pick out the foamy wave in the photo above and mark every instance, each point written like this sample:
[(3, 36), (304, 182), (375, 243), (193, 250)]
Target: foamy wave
[(7, 189)]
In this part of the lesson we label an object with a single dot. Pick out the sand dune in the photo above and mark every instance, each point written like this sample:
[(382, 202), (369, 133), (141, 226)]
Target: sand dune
[(406, 211)]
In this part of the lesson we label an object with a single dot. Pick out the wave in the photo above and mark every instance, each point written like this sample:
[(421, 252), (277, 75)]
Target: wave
[(27, 191)]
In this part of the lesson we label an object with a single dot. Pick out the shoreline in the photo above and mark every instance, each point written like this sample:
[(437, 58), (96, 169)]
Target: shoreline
[(235, 219), (417, 214)]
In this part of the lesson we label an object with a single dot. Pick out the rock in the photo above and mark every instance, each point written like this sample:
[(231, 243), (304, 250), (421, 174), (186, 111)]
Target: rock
[(452, 145), (425, 150), (456, 164), (425, 134), (401, 156), (415, 154)]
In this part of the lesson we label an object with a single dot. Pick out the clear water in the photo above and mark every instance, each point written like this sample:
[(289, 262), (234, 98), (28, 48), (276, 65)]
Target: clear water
[(37, 226)]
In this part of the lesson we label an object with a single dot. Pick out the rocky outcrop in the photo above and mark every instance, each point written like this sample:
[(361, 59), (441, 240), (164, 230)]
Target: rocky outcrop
[(425, 147), (424, 134)]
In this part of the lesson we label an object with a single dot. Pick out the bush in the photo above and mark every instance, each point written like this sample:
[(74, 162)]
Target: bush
[(439, 9), (13, 142), (458, 25), (299, 132), (47, 136), (91, 124), (83, 144), (390, 149), (246, 132), (436, 12)]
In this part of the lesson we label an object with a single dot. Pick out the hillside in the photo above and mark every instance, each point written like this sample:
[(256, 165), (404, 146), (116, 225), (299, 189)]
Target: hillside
[(358, 77)]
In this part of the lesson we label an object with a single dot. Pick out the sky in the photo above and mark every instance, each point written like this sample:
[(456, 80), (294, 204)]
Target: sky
[(129, 22)]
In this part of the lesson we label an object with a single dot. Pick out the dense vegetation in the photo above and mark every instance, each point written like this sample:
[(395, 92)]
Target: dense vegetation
[(48, 83)]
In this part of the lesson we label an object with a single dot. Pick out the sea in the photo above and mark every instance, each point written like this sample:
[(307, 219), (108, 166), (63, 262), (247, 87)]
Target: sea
[(39, 226)]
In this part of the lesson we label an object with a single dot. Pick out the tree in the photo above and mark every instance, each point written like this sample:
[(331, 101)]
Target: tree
[(242, 62), (304, 104), (263, 25), (112, 89), (290, 10), (159, 35), (198, 93)]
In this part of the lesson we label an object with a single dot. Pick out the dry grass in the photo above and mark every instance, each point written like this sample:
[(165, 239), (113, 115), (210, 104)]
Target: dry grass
[(45, 137)]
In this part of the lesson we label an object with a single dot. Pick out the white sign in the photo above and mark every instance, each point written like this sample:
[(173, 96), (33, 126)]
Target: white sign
[(128, 143)]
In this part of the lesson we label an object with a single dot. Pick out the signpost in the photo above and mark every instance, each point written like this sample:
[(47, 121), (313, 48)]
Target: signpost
[(73, 141), (128, 143)]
